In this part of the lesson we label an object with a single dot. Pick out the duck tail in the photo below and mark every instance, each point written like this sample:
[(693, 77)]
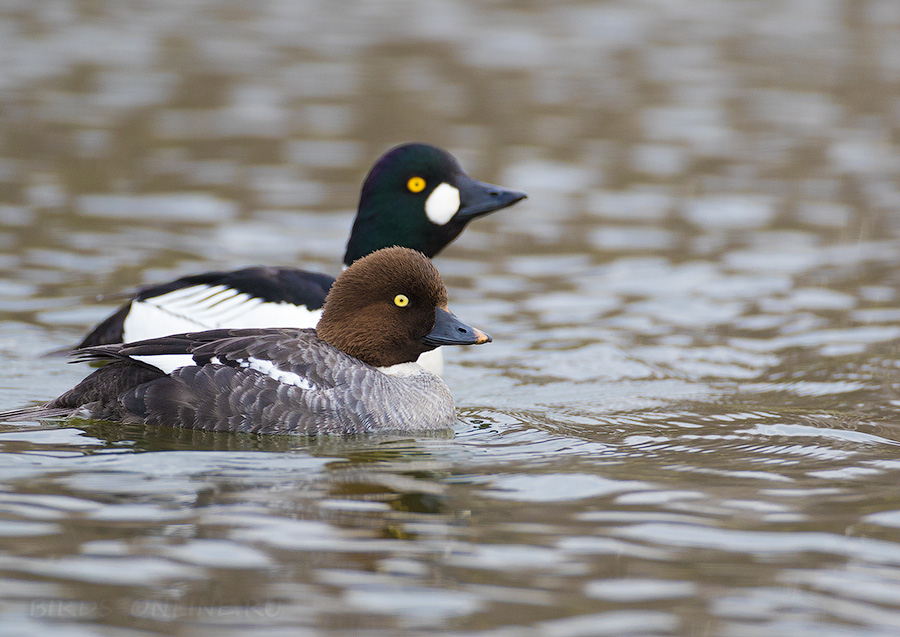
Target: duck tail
[(36, 412)]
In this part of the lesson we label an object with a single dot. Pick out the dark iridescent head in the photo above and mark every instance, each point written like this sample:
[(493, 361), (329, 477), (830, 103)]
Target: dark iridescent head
[(417, 196)]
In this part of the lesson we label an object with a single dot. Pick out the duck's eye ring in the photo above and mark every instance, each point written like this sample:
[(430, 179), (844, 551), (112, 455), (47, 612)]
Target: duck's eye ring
[(401, 300), (415, 184)]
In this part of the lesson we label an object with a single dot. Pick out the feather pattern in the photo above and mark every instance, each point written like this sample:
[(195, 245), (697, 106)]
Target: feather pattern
[(221, 392), (354, 373)]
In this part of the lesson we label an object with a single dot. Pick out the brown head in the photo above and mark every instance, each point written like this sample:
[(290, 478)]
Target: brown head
[(389, 307)]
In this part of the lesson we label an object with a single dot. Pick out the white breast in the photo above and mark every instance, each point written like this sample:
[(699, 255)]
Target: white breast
[(402, 369), (433, 361)]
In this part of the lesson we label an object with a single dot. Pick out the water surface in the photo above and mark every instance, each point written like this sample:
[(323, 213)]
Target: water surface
[(687, 423)]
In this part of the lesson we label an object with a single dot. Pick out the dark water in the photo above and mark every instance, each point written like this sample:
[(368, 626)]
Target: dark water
[(688, 423)]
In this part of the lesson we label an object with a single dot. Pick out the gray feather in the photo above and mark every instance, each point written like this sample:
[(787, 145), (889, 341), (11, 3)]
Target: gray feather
[(347, 395)]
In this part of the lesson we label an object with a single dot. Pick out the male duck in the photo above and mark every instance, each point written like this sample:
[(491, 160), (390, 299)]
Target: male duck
[(416, 196), (354, 373)]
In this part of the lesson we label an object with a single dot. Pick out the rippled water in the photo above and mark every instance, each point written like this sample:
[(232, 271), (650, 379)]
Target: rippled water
[(687, 423)]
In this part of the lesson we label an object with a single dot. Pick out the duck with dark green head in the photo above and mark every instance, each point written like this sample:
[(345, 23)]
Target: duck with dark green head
[(415, 196)]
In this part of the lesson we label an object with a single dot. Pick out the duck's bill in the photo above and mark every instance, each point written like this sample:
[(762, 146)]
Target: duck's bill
[(477, 198), (449, 330)]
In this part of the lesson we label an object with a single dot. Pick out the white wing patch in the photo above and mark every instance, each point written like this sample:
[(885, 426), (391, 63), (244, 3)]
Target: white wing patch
[(205, 307), (167, 362), (170, 362), (442, 204), (272, 371)]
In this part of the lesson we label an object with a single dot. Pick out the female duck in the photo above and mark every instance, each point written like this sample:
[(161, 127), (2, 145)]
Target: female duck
[(354, 373)]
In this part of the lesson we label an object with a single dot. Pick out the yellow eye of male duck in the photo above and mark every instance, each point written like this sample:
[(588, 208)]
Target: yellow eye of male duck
[(401, 300), (415, 184)]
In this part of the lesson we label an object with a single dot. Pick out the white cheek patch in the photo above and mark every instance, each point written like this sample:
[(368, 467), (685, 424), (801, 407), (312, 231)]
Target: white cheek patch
[(442, 204), (269, 369)]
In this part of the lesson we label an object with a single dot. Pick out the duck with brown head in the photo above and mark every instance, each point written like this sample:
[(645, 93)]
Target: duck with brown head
[(355, 373)]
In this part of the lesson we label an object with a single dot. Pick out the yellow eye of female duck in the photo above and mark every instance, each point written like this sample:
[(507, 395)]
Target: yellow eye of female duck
[(415, 184), (401, 300)]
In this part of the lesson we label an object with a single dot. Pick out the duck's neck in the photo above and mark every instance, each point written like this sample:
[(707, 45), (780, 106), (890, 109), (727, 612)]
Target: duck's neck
[(374, 229)]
